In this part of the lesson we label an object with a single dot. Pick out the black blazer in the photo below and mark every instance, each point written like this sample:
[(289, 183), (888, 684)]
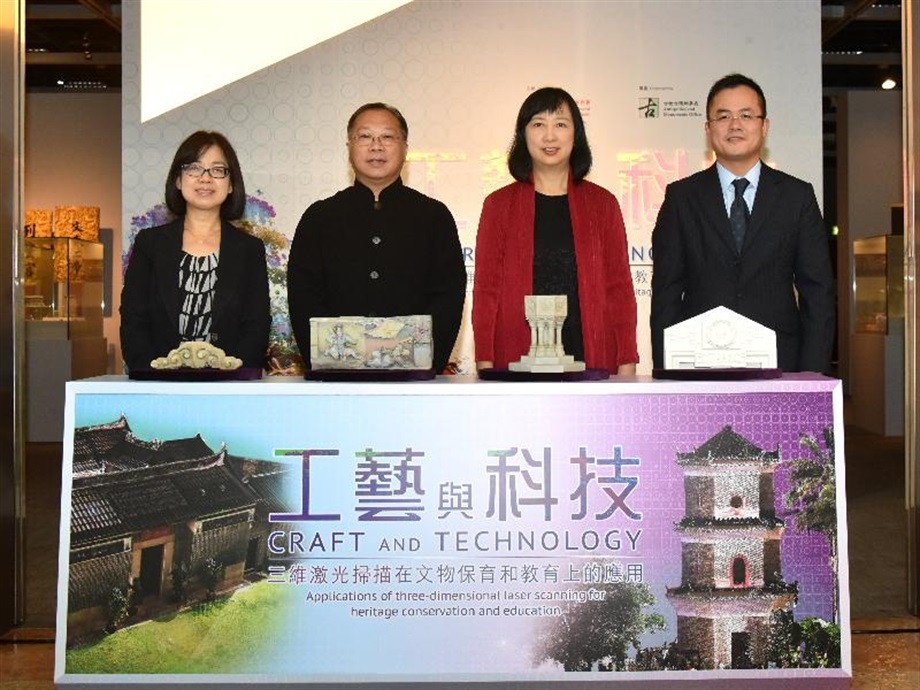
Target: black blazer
[(782, 278), (241, 313)]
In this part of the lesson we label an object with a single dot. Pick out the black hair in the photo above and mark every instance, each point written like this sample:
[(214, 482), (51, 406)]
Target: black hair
[(190, 151), (403, 125), (732, 81), (548, 99)]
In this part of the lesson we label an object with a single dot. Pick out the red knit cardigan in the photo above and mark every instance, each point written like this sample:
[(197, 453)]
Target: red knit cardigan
[(504, 275)]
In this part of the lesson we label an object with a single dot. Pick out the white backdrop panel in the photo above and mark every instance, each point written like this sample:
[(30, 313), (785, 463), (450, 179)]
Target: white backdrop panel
[(459, 71)]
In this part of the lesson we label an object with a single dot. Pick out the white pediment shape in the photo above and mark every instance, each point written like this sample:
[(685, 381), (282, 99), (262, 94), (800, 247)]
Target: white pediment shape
[(719, 339)]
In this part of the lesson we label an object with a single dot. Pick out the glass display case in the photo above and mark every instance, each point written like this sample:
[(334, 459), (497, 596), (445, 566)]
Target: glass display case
[(878, 282), (63, 288)]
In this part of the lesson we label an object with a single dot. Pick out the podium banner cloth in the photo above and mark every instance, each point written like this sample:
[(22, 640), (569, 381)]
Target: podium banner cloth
[(292, 533)]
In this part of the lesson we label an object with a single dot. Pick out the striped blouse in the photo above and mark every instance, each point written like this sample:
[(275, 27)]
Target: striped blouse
[(197, 279)]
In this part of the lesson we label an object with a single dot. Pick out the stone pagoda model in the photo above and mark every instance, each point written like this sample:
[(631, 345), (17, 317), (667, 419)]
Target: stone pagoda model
[(545, 315), (731, 579)]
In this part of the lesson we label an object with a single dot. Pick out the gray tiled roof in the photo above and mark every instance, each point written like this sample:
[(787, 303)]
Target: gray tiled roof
[(727, 446), (265, 479), (127, 485)]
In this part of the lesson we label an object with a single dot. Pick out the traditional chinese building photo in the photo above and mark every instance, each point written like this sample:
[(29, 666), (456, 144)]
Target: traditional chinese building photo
[(731, 576), (149, 516)]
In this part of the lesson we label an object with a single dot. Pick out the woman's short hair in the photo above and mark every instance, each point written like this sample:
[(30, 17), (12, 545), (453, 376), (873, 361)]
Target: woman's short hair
[(403, 125), (548, 99), (190, 151)]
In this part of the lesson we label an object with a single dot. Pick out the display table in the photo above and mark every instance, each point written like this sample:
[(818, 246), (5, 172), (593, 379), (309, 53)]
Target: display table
[(454, 532)]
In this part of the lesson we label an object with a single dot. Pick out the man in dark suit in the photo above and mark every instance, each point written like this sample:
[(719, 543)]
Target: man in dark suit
[(757, 246)]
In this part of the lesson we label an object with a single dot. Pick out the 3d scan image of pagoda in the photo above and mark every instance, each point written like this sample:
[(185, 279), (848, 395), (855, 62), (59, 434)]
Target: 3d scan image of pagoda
[(731, 577)]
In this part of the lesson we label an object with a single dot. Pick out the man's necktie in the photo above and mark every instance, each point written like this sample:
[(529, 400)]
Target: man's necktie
[(739, 214)]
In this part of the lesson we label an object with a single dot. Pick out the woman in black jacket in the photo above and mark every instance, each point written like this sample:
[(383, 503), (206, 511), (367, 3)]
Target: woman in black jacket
[(198, 278)]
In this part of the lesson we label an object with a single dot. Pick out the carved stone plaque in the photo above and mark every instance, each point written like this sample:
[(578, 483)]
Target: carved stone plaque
[(358, 342)]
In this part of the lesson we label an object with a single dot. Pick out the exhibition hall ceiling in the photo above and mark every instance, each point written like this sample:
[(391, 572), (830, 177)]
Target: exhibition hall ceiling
[(860, 43), (75, 45)]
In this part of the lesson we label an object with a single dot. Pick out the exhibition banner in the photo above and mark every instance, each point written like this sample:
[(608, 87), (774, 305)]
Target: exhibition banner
[(301, 534)]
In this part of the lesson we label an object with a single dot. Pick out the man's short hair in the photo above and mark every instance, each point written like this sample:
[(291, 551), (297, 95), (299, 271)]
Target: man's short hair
[(548, 99), (403, 126), (731, 81)]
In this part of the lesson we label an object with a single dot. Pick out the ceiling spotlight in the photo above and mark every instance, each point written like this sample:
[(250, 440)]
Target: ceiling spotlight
[(889, 76)]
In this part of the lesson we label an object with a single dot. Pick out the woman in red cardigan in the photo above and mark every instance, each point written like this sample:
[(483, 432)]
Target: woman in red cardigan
[(553, 233)]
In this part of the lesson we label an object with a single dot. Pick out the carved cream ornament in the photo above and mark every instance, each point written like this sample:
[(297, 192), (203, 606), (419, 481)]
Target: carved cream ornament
[(197, 355)]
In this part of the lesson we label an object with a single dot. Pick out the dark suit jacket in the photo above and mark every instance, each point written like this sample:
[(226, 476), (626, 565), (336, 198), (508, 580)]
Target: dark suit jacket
[(782, 279), (241, 313)]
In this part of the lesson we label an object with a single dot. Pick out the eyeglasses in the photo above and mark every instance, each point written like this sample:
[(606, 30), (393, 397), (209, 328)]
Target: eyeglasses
[(366, 139), (217, 172), (743, 118)]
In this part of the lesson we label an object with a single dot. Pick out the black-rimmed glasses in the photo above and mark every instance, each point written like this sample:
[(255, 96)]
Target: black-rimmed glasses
[(218, 172)]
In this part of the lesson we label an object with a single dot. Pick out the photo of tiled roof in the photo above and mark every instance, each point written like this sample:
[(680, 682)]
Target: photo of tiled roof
[(265, 479), (727, 447), (113, 447), (126, 485), (146, 509)]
